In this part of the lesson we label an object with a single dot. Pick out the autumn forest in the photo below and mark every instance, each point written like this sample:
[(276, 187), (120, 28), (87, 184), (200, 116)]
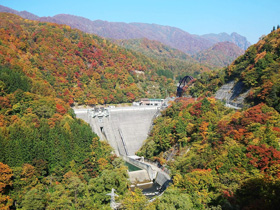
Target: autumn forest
[(218, 157)]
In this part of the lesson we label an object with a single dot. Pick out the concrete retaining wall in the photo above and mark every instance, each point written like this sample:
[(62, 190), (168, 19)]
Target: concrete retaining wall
[(138, 177), (162, 178), (152, 174)]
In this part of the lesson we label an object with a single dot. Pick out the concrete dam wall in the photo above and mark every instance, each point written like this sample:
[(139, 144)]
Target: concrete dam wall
[(125, 128)]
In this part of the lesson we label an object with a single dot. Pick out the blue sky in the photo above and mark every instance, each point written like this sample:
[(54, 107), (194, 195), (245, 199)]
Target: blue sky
[(250, 18)]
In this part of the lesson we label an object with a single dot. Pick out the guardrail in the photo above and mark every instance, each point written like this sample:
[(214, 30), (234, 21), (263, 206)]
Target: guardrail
[(156, 164)]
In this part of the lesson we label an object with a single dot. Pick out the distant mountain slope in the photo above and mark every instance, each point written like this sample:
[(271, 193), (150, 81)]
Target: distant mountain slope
[(171, 36), (220, 55), (179, 63), (174, 37), (153, 48), (235, 38)]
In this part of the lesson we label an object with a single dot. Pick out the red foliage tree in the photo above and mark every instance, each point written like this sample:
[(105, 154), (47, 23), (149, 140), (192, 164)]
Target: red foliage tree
[(263, 157)]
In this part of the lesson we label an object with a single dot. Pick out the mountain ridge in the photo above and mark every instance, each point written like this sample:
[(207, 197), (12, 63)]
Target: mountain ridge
[(171, 36)]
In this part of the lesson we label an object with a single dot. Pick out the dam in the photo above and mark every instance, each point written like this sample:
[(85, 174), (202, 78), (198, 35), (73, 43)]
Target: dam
[(125, 128)]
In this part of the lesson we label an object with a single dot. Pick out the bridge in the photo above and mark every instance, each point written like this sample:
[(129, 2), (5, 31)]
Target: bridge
[(183, 82)]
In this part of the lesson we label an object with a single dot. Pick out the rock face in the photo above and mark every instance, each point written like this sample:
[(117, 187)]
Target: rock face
[(233, 94)]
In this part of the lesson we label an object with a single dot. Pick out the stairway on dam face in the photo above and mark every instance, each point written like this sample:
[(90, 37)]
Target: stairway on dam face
[(125, 128)]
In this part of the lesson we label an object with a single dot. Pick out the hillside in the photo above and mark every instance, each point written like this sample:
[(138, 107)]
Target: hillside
[(78, 67), (171, 36), (259, 70), (222, 158), (219, 55), (219, 157), (49, 159)]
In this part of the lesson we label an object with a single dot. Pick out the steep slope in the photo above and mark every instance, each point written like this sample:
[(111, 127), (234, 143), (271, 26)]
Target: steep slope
[(259, 70), (44, 146), (220, 55), (235, 38)]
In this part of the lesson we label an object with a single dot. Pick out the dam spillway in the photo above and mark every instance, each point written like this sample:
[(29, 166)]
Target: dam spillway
[(125, 128)]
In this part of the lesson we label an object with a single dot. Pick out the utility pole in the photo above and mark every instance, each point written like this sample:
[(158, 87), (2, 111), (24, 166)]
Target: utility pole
[(113, 203)]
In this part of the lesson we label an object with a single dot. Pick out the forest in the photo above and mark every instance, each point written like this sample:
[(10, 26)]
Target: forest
[(219, 158)]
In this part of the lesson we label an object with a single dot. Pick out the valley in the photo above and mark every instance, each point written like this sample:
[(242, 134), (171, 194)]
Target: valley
[(80, 100)]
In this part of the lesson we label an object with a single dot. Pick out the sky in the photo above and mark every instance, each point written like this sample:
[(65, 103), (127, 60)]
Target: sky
[(249, 18)]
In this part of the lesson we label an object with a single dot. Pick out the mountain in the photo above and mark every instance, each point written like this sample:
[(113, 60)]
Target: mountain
[(171, 36), (219, 55), (167, 35)]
